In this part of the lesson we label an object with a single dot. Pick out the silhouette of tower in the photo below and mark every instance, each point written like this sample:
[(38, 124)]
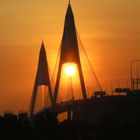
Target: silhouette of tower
[(42, 79), (69, 52)]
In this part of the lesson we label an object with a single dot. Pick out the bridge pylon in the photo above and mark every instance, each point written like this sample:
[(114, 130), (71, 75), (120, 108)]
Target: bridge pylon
[(42, 85), (69, 53)]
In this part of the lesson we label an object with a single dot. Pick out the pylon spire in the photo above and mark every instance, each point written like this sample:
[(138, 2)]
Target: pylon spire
[(42, 79), (70, 51)]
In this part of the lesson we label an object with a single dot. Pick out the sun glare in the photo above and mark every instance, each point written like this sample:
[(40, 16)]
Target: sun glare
[(70, 70)]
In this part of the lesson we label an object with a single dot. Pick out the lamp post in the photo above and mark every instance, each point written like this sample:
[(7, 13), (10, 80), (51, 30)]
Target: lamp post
[(138, 76), (131, 72)]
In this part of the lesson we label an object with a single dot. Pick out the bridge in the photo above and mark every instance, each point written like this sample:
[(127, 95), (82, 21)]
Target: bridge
[(69, 107), (70, 90)]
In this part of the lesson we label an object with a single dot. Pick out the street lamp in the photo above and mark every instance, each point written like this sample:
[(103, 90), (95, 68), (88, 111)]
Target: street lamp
[(131, 72), (138, 66)]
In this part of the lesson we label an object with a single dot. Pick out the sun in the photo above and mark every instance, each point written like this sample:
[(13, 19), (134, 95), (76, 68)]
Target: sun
[(70, 70)]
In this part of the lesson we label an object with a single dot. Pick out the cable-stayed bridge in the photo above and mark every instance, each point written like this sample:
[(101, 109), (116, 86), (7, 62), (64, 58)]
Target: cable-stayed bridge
[(74, 80)]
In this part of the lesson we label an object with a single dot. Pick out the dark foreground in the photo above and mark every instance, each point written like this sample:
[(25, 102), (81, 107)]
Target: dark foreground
[(111, 127)]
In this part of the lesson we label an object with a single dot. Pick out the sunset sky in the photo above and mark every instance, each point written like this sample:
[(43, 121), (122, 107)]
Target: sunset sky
[(109, 30)]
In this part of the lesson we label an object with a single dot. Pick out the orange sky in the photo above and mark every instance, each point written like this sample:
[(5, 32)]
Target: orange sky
[(109, 30)]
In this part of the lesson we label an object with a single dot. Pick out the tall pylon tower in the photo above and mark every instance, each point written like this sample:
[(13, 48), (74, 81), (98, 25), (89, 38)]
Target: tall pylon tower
[(69, 52), (42, 79)]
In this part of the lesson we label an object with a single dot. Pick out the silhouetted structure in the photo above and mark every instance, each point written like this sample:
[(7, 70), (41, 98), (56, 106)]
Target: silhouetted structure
[(69, 51), (69, 54), (42, 78), (117, 118)]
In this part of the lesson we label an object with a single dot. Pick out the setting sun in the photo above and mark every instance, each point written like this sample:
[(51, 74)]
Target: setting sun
[(69, 70)]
